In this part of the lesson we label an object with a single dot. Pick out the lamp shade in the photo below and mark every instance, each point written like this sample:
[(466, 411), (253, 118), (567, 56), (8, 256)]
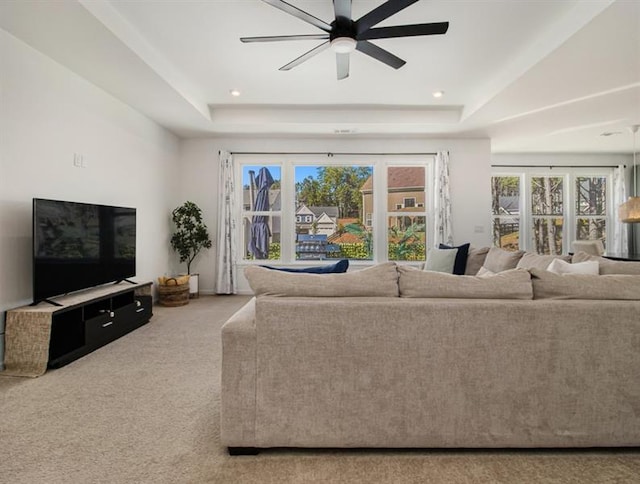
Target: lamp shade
[(629, 211)]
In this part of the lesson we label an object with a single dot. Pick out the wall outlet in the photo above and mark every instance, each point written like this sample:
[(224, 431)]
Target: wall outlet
[(77, 160)]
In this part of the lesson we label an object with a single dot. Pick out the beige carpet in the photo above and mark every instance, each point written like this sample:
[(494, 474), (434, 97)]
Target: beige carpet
[(145, 409)]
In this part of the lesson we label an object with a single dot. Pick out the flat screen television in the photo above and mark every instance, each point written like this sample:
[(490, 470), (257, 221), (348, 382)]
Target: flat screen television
[(80, 245)]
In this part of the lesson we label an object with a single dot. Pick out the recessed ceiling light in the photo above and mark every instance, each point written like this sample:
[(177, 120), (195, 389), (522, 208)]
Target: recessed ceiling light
[(438, 93), (234, 92)]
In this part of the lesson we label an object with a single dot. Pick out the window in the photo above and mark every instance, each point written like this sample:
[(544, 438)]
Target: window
[(261, 212), (406, 232), (337, 196), (340, 207), (545, 212)]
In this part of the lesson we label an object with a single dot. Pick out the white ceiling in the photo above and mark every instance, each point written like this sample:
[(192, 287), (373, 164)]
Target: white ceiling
[(533, 75)]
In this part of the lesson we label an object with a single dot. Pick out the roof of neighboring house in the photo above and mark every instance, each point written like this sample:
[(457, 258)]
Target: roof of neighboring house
[(330, 211), (274, 198), (509, 203), (347, 221), (399, 177), (304, 210), (345, 238)]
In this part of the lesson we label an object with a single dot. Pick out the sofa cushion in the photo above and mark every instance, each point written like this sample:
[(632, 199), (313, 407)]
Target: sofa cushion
[(608, 266), (530, 260), (441, 260), (461, 257), (512, 284), (475, 260), (559, 266), (499, 260), (338, 267), (379, 280), (548, 285)]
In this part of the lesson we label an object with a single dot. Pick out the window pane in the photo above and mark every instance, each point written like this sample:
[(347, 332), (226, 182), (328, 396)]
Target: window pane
[(506, 233), (591, 195), (261, 237), (505, 194), (547, 235), (547, 195), (334, 212), (270, 176), (591, 228), (505, 207), (406, 238), (405, 188)]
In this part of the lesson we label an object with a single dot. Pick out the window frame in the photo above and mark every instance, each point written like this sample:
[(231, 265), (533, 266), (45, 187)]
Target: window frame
[(287, 164), (570, 216)]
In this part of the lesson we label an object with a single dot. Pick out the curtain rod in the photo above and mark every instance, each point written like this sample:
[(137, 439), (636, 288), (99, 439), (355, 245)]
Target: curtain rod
[(327, 153), (555, 166)]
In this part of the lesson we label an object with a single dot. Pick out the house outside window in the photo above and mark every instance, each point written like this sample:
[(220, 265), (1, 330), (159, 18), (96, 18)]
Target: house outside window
[(544, 211), (339, 207)]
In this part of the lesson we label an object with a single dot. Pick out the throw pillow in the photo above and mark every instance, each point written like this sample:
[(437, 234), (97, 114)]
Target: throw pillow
[(484, 272), (379, 280), (608, 266), (530, 260), (547, 285), (512, 284), (559, 266), (338, 267), (499, 260), (441, 260), (461, 257), (475, 260)]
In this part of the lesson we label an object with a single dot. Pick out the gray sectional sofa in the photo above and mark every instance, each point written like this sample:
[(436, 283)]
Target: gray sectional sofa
[(395, 357)]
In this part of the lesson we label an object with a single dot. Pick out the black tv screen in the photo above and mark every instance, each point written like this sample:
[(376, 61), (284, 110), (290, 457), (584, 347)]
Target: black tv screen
[(80, 245)]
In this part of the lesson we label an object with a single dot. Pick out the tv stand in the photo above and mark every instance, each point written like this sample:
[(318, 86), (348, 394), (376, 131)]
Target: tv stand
[(125, 280), (38, 337), (48, 301)]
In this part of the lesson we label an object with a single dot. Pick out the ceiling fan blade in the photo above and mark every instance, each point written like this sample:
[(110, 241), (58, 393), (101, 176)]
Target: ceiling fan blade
[(384, 11), (380, 54), (342, 8), (342, 63), (305, 56), (301, 14), (276, 38), (405, 31)]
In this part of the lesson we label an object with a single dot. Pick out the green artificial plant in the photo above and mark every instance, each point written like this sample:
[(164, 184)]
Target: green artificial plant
[(191, 235)]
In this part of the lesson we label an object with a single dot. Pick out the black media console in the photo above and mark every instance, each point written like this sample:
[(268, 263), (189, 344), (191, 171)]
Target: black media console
[(44, 336)]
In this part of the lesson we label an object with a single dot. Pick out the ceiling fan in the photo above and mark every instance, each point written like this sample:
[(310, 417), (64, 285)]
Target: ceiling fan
[(344, 35)]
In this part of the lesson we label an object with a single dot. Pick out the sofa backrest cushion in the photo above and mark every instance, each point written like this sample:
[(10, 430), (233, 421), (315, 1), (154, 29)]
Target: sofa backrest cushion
[(512, 284), (608, 266), (475, 260), (530, 260), (499, 260), (379, 280), (548, 285)]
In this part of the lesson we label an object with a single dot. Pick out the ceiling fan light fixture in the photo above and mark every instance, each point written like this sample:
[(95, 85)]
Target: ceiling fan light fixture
[(343, 45)]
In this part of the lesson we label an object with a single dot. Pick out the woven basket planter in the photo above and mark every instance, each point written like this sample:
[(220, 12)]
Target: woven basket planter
[(173, 294)]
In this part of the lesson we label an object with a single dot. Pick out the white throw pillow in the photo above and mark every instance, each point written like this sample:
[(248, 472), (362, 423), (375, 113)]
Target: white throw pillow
[(558, 266), (441, 260)]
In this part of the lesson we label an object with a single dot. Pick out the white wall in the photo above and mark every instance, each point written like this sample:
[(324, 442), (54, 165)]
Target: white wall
[(47, 114), (469, 169)]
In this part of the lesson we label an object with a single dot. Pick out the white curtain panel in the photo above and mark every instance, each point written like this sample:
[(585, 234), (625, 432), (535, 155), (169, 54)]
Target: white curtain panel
[(442, 200), (226, 280), (620, 242)]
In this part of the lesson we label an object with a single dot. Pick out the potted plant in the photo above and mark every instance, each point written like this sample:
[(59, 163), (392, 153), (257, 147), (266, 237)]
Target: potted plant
[(190, 237)]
